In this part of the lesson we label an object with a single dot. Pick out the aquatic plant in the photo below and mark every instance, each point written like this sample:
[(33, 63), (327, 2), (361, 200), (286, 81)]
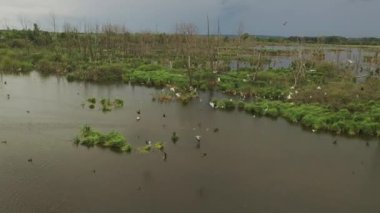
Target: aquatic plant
[(118, 103), (241, 105), (159, 146), (164, 97), (114, 140), (224, 104), (317, 117), (107, 105), (174, 137), (145, 149), (157, 78), (88, 136), (126, 148), (91, 100)]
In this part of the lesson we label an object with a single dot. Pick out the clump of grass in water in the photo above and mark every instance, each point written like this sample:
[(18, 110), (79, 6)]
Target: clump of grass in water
[(126, 148), (159, 146), (145, 149), (224, 104), (174, 137), (118, 103), (187, 96), (241, 105), (91, 100), (106, 105), (148, 148), (89, 137), (163, 97)]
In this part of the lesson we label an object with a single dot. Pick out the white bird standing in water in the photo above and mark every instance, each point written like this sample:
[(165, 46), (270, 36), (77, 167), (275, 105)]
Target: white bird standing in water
[(138, 118), (198, 138)]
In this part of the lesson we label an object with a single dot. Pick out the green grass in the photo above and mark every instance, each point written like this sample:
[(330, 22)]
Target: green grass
[(90, 137), (91, 100), (315, 117), (339, 105), (224, 104), (159, 146), (159, 77)]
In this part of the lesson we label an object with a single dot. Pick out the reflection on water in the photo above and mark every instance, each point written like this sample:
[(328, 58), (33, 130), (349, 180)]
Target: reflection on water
[(362, 60), (252, 164)]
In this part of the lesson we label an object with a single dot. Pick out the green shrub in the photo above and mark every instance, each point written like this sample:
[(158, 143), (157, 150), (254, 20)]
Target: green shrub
[(91, 100), (46, 66), (114, 140), (90, 137), (224, 104)]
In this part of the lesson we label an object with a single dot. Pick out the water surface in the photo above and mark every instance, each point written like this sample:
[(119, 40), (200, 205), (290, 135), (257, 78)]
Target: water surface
[(252, 164)]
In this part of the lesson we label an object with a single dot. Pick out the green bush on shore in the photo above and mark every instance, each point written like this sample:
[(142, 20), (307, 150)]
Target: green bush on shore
[(313, 116)]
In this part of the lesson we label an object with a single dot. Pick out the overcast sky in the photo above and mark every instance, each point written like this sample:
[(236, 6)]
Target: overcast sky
[(352, 18)]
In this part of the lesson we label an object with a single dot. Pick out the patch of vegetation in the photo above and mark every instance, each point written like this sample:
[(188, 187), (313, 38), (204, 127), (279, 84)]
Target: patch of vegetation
[(90, 137), (233, 66), (106, 105), (145, 149), (155, 76), (224, 104), (174, 137), (159, 146), (98, 73), (118, 103), (91, 100), (318, 117)]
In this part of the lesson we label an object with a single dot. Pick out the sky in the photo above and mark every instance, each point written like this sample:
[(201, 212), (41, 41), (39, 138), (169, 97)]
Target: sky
[(351, 18)]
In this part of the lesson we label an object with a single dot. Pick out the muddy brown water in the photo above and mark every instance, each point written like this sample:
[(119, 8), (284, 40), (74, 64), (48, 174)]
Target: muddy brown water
[(252, 164)]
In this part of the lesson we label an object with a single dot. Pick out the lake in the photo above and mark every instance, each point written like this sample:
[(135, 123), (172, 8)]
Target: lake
[(250, 165)]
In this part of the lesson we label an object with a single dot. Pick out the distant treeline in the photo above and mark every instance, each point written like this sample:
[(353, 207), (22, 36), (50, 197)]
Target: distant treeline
[(324, 40), (40, 37)]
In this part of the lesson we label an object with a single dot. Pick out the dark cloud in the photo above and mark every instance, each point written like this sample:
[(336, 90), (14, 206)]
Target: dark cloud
[(305, 17), (361, 0)]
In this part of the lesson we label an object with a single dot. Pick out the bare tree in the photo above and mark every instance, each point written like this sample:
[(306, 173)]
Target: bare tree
[(240, 32), (240, 29), (5, 24), (23, 22), (299, 68), (188, 32), (53, 21)]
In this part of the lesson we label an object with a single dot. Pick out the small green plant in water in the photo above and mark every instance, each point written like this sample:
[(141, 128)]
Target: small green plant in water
[(159, 146), (118, 103), (174, 137), (91, 100), (126, 148), (145, 149), (106, 105), (89, 137)]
